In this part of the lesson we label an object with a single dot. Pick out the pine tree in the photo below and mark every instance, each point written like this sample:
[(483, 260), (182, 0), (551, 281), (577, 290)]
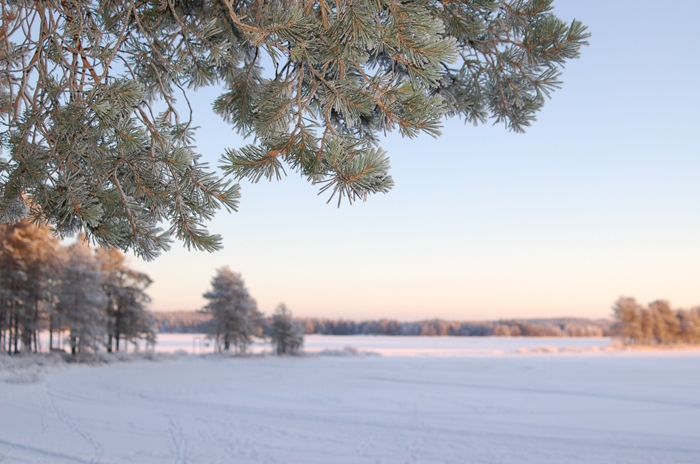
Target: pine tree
[(126, 311), (81, 300), (287, 335), (235, 314), (30, 259), (88, 112)]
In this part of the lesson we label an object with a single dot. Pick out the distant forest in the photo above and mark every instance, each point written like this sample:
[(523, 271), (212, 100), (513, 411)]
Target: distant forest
[(196, 322), (655, 324)]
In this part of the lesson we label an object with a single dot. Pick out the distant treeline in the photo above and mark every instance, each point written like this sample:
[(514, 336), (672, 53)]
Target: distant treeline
[(194, 322), (182, 322), (655, 324), (563, 327)]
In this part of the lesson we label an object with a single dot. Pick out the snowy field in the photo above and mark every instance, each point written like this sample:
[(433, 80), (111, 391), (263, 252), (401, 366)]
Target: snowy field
[(493, 403)]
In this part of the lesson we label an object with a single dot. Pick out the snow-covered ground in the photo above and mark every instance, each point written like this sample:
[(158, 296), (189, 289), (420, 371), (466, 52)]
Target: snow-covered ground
[(493, 406)]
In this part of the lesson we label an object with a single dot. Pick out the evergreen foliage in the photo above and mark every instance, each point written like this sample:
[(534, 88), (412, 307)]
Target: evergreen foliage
[(88, 91), (236, 319), (287, 335), (655, 324)]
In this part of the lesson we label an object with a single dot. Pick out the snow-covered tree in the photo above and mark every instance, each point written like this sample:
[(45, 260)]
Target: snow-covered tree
[(127, 315), (628, 324), (666, 325), (36, 272), (655, 324), (689, 325), (647, 322), (286, 334), (30, 259), (82, 300), (236, 319)]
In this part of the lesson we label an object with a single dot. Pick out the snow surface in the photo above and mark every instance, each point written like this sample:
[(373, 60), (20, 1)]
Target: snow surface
[(542, 407)]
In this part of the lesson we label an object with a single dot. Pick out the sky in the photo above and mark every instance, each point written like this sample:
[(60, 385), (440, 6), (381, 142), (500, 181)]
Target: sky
[(599, 198)]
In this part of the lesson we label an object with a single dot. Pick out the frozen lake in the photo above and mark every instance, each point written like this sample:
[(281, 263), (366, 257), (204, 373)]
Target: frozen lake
[(400, 346), (416, 405)]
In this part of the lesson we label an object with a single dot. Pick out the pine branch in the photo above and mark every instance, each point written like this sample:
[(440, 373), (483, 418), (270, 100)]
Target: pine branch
[(78, 81)]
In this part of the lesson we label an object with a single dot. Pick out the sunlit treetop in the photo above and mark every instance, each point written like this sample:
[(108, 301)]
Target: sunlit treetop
[(89, 125)]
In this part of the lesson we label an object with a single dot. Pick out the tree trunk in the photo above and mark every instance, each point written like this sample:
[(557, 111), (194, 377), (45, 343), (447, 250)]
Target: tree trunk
[(117, 327), (2, 324), (26, 335), (35, 328), (16, 334), (26, 339), (50, 332), (8, 336)]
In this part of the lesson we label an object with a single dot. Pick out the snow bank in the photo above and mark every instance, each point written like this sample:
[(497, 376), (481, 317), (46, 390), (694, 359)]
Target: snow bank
[(28, 368), (32, 367)]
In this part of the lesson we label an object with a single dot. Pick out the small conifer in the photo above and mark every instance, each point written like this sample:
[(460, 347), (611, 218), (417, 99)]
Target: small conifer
[(286, 334), (236, 319)]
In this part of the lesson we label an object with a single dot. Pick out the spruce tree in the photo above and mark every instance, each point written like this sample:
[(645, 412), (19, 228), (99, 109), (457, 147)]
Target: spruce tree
[(94, 140), (236, 319)]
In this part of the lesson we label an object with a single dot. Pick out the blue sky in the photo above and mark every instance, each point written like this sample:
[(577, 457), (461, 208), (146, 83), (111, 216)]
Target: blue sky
[(599, 198)]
